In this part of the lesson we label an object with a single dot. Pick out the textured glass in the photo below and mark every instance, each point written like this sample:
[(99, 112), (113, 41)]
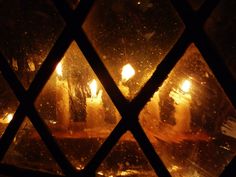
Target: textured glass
[(139, 33), (196, 4), (28, 30), (190, 120), (126, 159), (8, 104), (76, 108), (221, 27), (29, 151)]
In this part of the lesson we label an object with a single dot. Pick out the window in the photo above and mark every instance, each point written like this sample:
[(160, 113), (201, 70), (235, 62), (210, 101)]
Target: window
[(117, 88)]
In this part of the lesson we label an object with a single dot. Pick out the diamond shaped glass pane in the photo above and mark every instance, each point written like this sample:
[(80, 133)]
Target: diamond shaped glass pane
[(221, 27), (126, 159), (8, 104), (191, 119), (28, 30), (29, 151), (138, 33), (196, 4), (76, 108)]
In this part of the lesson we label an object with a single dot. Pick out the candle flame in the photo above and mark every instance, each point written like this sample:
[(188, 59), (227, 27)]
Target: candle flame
[(186, 86), (59, 69), (93, 88), (127, 72), (7, 118)]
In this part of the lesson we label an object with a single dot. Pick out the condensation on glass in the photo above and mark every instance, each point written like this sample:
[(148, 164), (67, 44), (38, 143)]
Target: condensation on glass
[(76, 108), (28, 31), (29, 151), (8, 104), (126, 159), (134, 33), (220, 27), (190, 120)]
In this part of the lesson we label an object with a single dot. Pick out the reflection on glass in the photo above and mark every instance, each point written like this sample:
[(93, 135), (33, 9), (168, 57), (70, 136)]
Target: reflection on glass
[(28, 30), (190, 121), (126, 159), (8, 104), (28, 151), (139, 33), (219, 25), (76, 108)]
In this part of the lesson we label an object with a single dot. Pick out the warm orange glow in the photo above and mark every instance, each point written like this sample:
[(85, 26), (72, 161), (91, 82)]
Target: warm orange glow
[(93, 88), (186, 86), (127, 72), (59, 69), (7, 118)]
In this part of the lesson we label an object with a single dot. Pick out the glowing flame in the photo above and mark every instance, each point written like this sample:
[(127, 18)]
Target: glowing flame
[(93, 88), (7, 118), (59, 69), (127, 72), (186, 86)]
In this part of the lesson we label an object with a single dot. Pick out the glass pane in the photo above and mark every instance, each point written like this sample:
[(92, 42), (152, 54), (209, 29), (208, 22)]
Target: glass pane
[(76, 108), (196, 4), (28, 30), (221, 27), (29, 151), (192, 120), (138, 33), (8, 104), (126, 159)]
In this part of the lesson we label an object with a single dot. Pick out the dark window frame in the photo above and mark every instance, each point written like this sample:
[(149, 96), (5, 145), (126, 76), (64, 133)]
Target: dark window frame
[(194, 32)]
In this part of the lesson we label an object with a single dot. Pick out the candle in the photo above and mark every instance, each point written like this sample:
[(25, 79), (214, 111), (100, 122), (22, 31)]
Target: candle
[(94, 109), (182, 100), (126, 74), (62, 98), (7, 118)]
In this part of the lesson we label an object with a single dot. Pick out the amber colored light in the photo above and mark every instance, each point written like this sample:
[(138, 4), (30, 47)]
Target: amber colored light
[(127, 72), (59, 69), (186, 86), (93, 88), (7, 119)]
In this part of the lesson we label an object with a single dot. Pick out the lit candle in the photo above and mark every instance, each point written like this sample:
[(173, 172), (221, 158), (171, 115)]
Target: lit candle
[(94, 109), (182, 99), (126, 74), (150, 115), (7, 118), (62, 98)]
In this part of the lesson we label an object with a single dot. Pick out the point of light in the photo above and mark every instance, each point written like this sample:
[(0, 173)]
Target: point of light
[(7, 118), (59, 69), (185, 87), (93, 88), (127, 72)]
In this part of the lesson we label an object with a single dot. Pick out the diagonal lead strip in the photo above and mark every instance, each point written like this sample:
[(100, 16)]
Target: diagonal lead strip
[(105, 148), (27, 101), (194, 24), (149, 151), (168, 63), (206, 10), (19, 115), (230, 169), (161, 72), (89, 52)]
